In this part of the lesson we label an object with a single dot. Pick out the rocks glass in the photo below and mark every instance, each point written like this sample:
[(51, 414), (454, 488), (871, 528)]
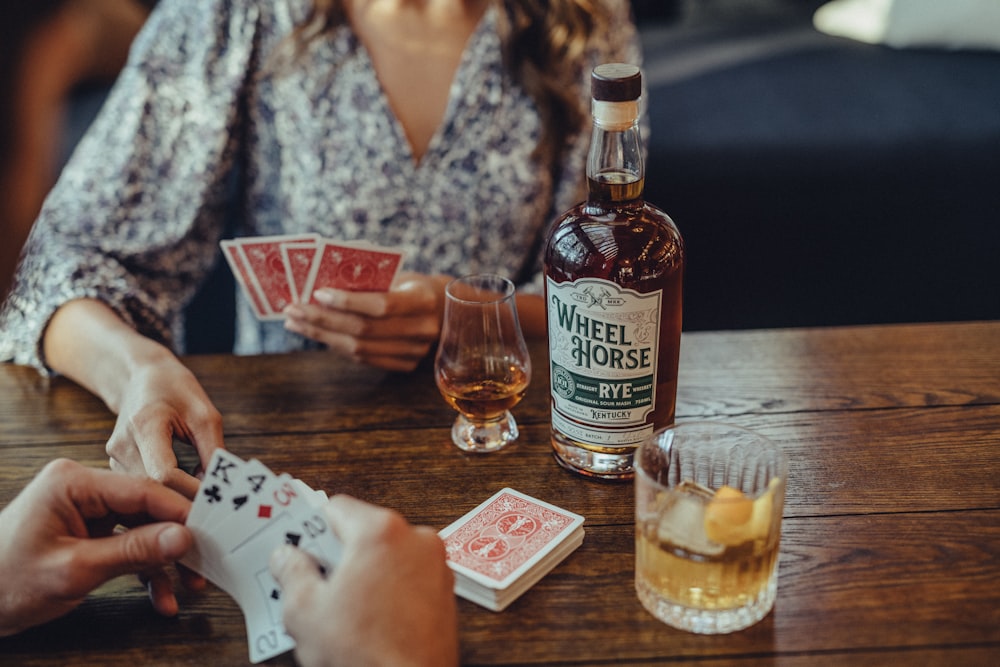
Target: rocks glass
[(708, 505)]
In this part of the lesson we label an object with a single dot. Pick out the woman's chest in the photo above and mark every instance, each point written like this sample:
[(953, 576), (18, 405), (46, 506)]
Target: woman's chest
[(324, 139)]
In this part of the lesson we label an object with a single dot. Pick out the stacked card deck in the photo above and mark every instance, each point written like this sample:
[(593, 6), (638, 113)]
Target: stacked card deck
[(506, 545)]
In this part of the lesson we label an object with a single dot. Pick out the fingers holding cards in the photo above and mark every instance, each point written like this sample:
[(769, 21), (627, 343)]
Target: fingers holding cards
[(242, 513), (256, 590), (275, 271)]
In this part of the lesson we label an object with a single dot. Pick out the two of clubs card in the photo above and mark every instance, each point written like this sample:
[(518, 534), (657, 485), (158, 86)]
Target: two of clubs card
[(242, 513), (504, 546), (275, 271)]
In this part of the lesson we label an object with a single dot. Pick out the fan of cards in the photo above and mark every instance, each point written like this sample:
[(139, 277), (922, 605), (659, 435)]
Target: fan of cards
[(275, 271), (503, 547), (242, 513)]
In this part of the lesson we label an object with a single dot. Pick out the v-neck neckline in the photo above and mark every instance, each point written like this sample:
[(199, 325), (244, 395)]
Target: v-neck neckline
[(457, 91)]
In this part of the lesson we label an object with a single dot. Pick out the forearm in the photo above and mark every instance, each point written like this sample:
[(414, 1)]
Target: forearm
[(89, 343)]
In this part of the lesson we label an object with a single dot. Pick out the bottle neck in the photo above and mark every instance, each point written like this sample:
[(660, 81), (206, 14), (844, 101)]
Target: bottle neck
[(615, 172)]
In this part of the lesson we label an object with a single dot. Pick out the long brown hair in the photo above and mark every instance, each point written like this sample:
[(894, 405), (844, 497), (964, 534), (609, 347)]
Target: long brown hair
[(542, 44)]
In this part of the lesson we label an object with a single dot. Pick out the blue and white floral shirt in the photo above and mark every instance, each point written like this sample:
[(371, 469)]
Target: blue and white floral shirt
[(201, 123)]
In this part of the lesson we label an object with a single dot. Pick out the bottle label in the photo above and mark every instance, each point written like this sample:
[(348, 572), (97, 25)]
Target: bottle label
[(603, 349)]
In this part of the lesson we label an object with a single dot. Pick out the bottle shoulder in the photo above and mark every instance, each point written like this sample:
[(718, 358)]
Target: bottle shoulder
[(630, 245), (596, 218)]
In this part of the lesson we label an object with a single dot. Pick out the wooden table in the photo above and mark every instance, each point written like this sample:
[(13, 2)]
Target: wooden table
[(891, 545)]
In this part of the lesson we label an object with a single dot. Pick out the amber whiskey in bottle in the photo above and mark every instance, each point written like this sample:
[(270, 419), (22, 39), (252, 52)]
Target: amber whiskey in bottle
[(614, 267)]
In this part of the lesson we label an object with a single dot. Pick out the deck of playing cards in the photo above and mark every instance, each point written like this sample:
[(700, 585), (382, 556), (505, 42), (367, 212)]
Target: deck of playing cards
[(241, 514), (503, 547), (275, 271)]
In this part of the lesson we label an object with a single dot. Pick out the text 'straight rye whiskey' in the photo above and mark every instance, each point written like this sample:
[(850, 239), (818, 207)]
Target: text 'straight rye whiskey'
[(614, 266)]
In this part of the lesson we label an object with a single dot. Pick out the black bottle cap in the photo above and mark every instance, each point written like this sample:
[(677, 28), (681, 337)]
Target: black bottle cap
[(616, 82)]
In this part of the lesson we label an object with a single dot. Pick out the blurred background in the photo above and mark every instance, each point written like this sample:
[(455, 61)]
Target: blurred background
[(821, 180), (48, 49)]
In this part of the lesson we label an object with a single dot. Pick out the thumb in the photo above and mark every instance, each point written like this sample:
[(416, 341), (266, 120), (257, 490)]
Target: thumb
[(137, 550), (293, 568)]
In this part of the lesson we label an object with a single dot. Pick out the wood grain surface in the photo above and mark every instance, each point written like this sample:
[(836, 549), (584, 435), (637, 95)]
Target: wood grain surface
[(890, 551)]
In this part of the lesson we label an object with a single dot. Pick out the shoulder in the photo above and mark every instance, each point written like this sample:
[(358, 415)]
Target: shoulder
[(185, 25), (212, 39)]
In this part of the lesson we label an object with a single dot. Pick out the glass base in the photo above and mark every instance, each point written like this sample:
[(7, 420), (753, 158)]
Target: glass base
[(484, 437), (602, 465), (707, 621)]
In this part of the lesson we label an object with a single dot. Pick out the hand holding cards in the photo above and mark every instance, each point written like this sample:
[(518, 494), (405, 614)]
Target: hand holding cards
[(276, 271), (503, 547), (242, 512)]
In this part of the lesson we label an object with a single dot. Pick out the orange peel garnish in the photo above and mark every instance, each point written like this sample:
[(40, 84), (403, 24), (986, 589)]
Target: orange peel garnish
[(731, 518)]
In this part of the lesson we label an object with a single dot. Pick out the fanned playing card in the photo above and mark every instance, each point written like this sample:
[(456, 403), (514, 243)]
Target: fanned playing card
[(230, 250), (275, 271), (265, 263), (506, 544), (257, 592), (221, 479), (242, 513), (299, 259), (354, 267)]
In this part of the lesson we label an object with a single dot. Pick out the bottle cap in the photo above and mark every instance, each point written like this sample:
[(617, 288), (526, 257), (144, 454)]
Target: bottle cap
[(616, 82)]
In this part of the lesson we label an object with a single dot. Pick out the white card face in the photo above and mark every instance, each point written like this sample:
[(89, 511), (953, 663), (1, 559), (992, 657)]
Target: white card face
[(221, 478), (248, 482), (506, 536), (257, 592), (276, 496), (315, 497)]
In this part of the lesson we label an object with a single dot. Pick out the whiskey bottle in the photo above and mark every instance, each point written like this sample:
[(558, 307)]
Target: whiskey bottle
[(614, 266)]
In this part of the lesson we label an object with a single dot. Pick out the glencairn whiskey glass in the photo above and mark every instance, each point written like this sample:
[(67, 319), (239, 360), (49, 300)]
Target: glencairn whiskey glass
[(482, 367)]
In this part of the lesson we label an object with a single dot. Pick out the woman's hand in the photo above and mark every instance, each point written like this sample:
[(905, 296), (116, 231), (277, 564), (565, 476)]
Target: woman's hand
[(163, 401), (154, 395), (391, 330)]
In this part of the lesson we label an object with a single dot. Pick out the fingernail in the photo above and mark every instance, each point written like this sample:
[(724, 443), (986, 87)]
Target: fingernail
[(293, 312), (173, 541), (327, 297), (279, 557)]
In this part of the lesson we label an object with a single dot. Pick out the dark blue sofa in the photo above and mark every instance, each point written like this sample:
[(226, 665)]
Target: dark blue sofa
[(819, 180)]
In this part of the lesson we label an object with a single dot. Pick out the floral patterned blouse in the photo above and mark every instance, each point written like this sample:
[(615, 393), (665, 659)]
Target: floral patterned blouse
[(201, 124)]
